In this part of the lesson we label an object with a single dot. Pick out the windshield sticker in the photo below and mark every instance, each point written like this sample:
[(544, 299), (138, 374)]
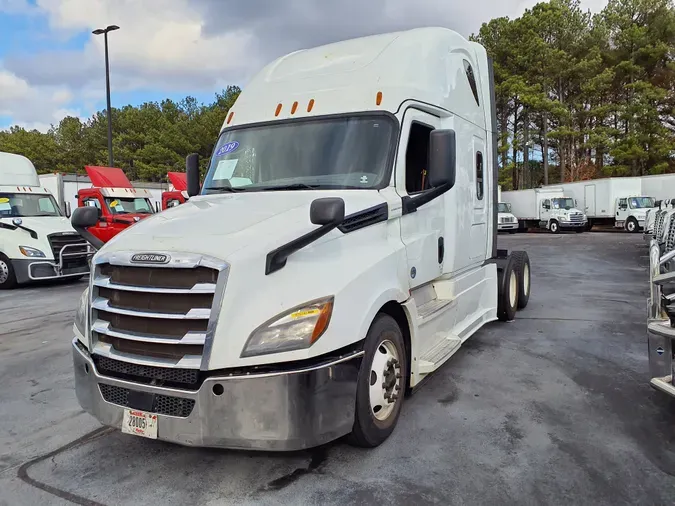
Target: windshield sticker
[(364, 179), (4, 200), (4, 206), (225, 169), (114, 203), (225, 149)]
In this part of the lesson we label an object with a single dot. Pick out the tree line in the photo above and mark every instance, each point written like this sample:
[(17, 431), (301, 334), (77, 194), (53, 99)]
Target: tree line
[(583, 96), (148, 140), (579, 96)]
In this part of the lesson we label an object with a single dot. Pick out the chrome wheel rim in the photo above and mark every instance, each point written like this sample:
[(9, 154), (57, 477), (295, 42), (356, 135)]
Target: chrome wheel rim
[(526, 279), (385, 380), (4, 272), (513, 288), (631, 226)]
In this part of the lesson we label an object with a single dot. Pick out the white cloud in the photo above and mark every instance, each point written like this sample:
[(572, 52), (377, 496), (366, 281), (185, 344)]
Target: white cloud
[(203, 45)]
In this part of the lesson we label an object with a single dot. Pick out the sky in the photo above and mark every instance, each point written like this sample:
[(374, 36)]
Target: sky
[(52, 66)]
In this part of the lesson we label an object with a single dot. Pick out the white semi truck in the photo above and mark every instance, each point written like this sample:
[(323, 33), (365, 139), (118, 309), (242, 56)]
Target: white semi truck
[(550, 208), (506, 220), (619, 201), (342, 248), (36, 241)]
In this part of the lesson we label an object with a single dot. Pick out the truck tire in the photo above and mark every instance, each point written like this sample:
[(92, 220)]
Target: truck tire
[(507, 294), (522, 265), (381, 384), (7, 275), (632, 225), (554, 227)]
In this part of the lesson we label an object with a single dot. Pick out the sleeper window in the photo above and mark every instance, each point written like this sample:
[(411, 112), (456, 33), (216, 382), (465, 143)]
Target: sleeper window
[(417, 158)]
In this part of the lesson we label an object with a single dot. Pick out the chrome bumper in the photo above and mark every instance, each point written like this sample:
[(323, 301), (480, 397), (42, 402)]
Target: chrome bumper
[(573, 224), (507, 226), (54, 269), (281, 411)]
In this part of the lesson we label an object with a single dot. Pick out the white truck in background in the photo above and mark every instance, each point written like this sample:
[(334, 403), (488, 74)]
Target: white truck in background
[(549, 207), (618, 202), (36, 241), (342, 248), (506, 220)]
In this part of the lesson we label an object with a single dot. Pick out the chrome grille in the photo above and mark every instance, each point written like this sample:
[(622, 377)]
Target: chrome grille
[(155, 316), (576, 217), (658, 224), (507, 219), (184, 378), (670, 236), (161, 404)]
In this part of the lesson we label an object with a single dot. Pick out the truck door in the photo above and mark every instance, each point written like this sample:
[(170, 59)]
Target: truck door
[(479, 225), (589, 199), (621, 211), (545, 210), (422, 230)]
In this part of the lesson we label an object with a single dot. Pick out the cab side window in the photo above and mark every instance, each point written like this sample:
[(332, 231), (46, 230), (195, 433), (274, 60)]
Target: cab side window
[(623, 204), (417, 158), (92, 203), (546, 204)]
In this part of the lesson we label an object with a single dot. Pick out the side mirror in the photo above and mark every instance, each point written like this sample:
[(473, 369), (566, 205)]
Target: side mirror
[(442, 158), (327, 211), (192, 174), (82, 219)]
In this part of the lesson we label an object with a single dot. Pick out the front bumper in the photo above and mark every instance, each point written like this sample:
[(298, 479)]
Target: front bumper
[(573, 224), (280, 411), (507, 226), (27, 270)]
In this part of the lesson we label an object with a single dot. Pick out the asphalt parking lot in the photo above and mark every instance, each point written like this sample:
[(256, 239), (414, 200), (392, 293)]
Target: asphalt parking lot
[(554, 408)]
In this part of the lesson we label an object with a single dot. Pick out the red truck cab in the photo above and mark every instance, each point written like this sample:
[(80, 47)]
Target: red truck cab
[(120, 204), (177, 194)]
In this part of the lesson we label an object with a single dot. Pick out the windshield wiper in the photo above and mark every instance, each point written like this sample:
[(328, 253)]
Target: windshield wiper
[(286, 187)]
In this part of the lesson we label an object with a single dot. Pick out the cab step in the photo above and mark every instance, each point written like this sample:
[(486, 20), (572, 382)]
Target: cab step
[(434, 307), (438, 354)]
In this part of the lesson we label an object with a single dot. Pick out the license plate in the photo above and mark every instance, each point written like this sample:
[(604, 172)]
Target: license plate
[(140, 423)]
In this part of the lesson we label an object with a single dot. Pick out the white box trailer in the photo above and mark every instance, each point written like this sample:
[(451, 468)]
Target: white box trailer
[(550, 208), (659, 186), (618, 201)]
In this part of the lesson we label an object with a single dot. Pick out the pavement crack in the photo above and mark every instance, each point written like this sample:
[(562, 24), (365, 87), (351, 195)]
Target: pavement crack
[(22, 473), (319, 456)]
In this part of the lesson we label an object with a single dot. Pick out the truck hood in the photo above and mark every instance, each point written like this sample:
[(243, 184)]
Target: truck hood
[(44, 225), (222, 225)]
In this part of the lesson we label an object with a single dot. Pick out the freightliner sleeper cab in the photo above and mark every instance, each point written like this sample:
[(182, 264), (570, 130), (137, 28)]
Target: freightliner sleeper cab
[(343, 247)]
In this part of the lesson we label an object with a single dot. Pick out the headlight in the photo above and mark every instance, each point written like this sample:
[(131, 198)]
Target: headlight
[(31, 252), (81, 313), (295, 329)]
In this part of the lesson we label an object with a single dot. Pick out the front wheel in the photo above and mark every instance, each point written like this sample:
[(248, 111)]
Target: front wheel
[(7, 275), (554, 227), (632, 225), (381, 384)]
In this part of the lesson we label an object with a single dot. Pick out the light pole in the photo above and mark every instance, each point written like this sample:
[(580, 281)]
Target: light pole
[(105, 31)]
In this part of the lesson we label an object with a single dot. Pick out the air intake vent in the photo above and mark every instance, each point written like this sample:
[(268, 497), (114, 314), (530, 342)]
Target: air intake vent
[(365, 218)]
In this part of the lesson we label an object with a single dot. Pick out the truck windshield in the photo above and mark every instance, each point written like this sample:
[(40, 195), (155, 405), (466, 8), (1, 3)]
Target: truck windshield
[(328, 153), (504, 208), (640, 202), (129, 205), (17, 205), (563, 204)]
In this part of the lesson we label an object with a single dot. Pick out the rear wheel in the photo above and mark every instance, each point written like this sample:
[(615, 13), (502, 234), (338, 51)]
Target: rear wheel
[(554, 227), (507, 302), (522, 266), (381, 384)]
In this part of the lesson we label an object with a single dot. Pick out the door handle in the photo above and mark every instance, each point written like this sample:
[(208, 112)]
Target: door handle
[(441, 250)]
